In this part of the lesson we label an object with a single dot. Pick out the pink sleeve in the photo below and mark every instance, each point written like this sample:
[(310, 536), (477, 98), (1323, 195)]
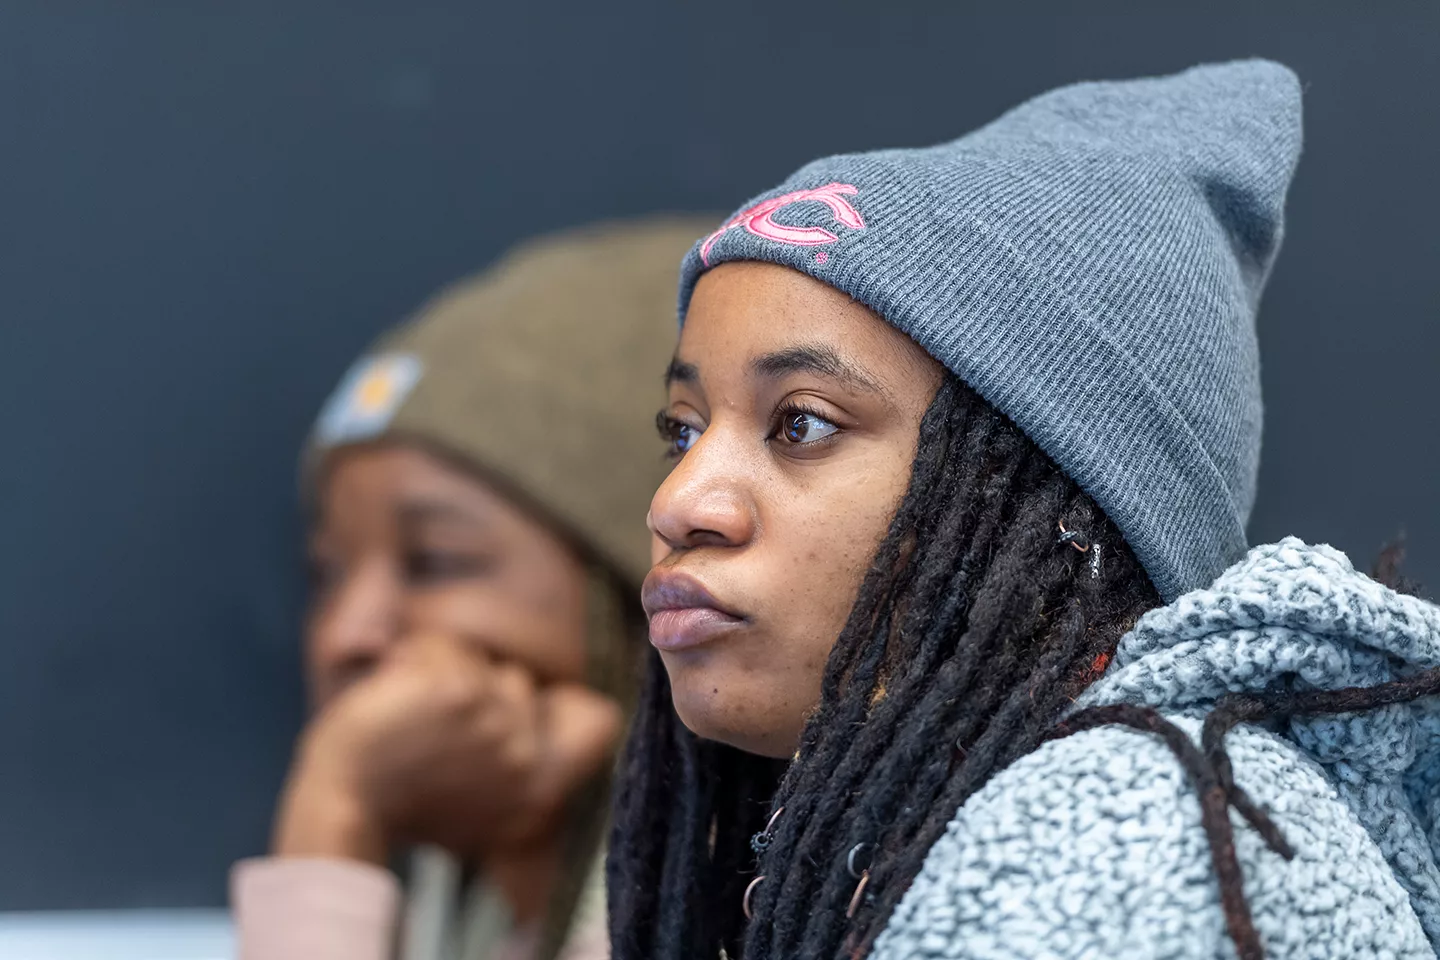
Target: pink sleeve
[(590, 940), (313, 909)]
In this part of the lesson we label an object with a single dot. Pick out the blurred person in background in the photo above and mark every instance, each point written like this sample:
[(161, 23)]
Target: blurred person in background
[(478, 486)]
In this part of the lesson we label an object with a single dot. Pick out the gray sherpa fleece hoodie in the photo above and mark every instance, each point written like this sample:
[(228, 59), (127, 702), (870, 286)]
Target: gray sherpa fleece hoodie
[(1091, 847)]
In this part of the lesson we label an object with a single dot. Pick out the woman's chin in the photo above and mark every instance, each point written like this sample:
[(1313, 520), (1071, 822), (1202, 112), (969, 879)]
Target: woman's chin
[(707, 711)]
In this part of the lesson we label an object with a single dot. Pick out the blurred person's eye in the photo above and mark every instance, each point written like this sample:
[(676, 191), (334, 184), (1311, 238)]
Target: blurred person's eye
[(430, 567), (323, 572)]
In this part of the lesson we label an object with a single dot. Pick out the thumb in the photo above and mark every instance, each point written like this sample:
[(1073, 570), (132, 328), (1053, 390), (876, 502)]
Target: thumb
[(581, 731)]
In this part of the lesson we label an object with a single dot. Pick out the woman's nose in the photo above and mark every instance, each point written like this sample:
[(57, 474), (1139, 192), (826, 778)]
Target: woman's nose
[(706, 499), (355, 625)]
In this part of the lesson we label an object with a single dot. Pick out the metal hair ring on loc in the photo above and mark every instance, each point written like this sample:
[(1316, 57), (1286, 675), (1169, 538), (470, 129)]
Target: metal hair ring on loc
[(749, 889), (862, 875), (759, 843), (850, 860), (762, 840), (1082, 544)]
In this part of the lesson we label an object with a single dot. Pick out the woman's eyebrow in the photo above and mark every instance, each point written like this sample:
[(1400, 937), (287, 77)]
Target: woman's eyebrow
[(420, 510), (817, 359), (680, 372)]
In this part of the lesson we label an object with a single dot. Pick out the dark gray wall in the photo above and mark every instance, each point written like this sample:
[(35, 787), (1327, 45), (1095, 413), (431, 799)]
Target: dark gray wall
[(204, 214)]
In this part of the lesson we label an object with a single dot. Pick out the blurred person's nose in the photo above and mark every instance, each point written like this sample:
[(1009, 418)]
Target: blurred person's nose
[(354, 626)]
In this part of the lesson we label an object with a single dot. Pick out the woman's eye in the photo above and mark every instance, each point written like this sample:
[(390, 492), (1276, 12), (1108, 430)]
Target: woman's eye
[(323, 574), (424, 567), (678, 434), (799, 427)]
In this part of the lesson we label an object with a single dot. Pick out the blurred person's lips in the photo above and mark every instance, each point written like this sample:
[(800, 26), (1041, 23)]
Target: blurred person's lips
[(682, 612)]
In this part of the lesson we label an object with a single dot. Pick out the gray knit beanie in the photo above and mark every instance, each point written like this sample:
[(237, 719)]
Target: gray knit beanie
[(1090, 263)]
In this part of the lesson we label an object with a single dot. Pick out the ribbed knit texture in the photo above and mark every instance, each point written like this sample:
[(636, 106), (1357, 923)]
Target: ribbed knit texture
[(1091, 264)]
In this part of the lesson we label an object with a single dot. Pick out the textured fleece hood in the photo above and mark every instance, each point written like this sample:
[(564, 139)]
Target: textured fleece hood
[(1092, 845), (1300, 615)]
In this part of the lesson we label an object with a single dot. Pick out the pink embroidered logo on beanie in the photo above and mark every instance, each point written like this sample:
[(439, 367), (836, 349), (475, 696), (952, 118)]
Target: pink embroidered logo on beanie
[(760, 219)]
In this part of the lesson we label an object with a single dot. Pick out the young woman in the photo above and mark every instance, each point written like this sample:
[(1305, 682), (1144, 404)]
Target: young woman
[(952, 427), (478, 486)]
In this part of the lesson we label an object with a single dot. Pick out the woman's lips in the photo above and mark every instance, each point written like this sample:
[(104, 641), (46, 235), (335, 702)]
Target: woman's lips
[(689, 627), (682, 612)]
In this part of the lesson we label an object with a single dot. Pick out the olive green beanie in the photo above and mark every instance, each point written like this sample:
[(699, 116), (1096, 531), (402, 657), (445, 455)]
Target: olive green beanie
[(542, 373)]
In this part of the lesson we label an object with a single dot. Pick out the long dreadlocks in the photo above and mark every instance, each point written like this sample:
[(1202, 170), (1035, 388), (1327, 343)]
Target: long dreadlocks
[(974, 629)]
